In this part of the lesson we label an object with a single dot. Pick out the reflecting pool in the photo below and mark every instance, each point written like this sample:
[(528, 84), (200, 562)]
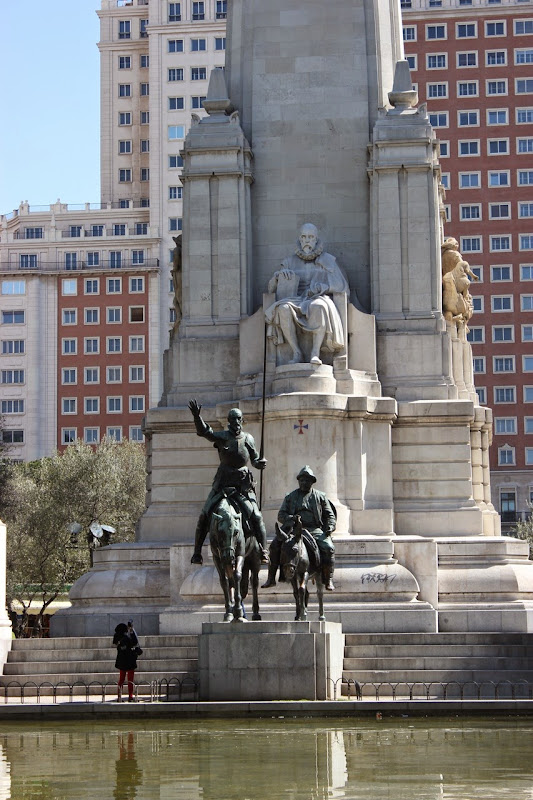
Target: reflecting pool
[(285, 759)]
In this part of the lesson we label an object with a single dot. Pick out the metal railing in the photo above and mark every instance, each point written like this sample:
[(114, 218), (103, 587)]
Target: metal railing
[(433, 690), (169, 689)]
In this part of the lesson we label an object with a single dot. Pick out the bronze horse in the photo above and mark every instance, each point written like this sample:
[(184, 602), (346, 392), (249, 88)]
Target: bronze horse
[(298, 565), (236, 559)]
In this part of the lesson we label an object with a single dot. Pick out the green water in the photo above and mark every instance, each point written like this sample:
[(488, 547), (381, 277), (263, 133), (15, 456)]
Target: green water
[(278, 759)]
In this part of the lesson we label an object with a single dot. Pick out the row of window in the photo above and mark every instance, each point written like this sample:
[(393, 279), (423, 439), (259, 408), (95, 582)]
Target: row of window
[(91, 345), (92, 435), (471, 117), (178, 103), (69, 286), (472, 180), (125, 118), (469, 30), (125, 146), (196, 45), (91, 316), (125, 90), (470, 58), (116, 228), (504, 394), (496, 211), (125, 29), (471, 88), (501, 243), (504, 272), (500, 333), (91, 375), (125, 62), (91, 405), (178, 74), (125, 175), (502, 364), (494, 147), (197, 10), (12, 406), (507, 456)]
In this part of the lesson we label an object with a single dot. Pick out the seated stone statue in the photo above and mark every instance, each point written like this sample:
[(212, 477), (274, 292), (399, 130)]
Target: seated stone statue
[(303, 288)]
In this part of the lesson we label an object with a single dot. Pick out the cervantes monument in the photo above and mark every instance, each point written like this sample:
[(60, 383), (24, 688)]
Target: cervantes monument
[(313, 216)]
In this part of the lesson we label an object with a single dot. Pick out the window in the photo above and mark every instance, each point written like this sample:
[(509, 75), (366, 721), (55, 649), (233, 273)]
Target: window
[(91, 375), (523, 26), (506, 455), (145, 145), (136, 285), (409, 33), (91, 435), (524, 56), (499, 211), (467, 59), (528, 428), (499, 179), (466, 30), (91, 405), (469, 147), (33, 233), (68, 406), (495, 28), (525, 177), (176, 132), (497, 87), (174, 12), (471, 212), (136, 313), (12, 406), (97, 230), (13, 287), (524, 85), (92, 286), (69, 376), (500, 273), (175, 74), (68, 435), (124, 90), (478, 271), (115, 259), (92, 345), (115, 433), (114, 285), (124, 176), (196, 102), (144, 61), (175, 104), (136, 344), (469, 180), (439, 119), (175, 192), (145, 174), (467, 118), (526, 272), (498, 147), (91, 316), (198, 45), (198, 10), (496, 58), (12, 376), (175, 161), (141, 228), (28, 261), (505, 394), (69, 346), (444, 149), (74, 231), (69, 316), (114, 344), (13, 317), (479, 365), (526, 241), (528, 394), (124, 29), (467, 89), (124, 118), (145, 202), (114, 375), (114, 405), (71, 261), (478, 303), (436, 90), (137, 257), (13, 437), (505, 425), (497, 116), (221, 9), (145, 117), (437, 60), (143, 24), (137, 374), (503, 364), (13, 347), (93, 259), (503, 333), (175, 45), (524, 116), (476, 334), (482, 395), (220, 44), (198, 73), (524, 145), (500, 243), (136, 403), (526, 302), (527, 363), (471, 244)]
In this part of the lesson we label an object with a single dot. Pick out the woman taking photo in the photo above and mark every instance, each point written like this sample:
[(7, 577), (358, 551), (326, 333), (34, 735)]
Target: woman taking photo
[(127, 644)]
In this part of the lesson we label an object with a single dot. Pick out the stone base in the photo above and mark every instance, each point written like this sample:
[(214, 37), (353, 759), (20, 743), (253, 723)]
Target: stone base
[(270, 661)]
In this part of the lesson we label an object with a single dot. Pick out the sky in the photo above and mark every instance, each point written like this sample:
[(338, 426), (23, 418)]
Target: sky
[(50, 128)]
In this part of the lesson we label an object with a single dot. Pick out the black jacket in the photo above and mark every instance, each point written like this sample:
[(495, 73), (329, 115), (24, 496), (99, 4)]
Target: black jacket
[(126, 658)]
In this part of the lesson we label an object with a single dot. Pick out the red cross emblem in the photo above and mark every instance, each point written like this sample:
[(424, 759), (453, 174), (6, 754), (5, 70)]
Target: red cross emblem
[(301, 426)]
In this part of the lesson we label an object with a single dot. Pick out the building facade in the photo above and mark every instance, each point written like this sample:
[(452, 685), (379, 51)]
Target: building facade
[(472, 62)]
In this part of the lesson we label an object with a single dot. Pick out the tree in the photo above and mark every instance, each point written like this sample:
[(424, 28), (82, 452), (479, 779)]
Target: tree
[(84, 484), (524, 530)]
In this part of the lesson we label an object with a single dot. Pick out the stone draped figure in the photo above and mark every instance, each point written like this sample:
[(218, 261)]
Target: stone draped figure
[(303, 287), (236, 450), (177, 279), (457, 302)]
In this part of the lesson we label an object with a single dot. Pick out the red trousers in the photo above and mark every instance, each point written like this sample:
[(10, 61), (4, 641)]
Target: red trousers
[(122, 677)]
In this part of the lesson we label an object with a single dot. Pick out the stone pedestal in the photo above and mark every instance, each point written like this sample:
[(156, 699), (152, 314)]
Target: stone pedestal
[(270, 661)]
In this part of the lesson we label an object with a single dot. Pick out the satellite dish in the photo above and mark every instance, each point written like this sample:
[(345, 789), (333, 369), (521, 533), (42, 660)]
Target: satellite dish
[(75, 528), (96, 529), (108, 528)]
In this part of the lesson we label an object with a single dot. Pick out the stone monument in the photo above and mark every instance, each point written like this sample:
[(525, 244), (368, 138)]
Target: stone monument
[(313, 133)]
